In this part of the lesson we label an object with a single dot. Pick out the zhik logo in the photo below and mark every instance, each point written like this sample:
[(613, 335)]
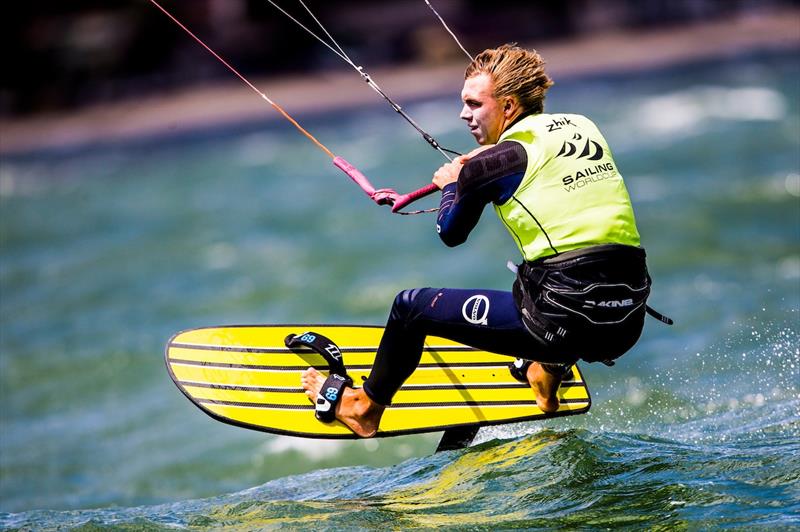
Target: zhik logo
[(557, 124)]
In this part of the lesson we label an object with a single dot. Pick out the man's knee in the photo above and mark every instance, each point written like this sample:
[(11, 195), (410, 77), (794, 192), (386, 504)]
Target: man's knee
[(408, 304)]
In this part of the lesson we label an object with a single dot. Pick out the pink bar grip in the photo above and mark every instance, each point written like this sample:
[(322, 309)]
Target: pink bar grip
[(360, 179), (403, 200)]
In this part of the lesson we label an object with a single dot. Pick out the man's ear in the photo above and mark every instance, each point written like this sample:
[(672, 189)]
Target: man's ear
[(510, 106)]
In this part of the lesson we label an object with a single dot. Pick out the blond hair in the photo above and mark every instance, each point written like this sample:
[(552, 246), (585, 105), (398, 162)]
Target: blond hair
[(515, 72)]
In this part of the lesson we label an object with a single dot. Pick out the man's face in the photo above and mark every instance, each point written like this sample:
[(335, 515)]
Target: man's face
[(481, 110)]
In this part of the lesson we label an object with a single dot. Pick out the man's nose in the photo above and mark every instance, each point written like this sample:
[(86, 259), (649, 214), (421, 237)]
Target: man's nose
[(465, 114)]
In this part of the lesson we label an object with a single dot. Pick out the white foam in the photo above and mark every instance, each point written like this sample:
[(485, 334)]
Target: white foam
[(792, 185), (312, 449), (504, 432), (789, 267), (695, 109)]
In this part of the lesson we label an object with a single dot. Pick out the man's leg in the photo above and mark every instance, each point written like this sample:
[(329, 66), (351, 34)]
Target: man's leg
[(485, 319), (490, 320), (398, 355)]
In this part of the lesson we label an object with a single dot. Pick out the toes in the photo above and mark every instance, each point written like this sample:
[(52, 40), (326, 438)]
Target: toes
[(307, 379), (312, 380), (309, 384)]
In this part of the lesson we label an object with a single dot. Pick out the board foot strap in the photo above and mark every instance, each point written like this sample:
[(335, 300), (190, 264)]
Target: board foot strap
[(322, 345), (519, 369), (331, 392), (329, 396)]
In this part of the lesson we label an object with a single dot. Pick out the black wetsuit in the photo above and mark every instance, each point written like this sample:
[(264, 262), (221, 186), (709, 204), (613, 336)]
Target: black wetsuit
[(485, 319)]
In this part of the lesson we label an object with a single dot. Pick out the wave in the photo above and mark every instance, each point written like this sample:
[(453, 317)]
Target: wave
[(748, 476)]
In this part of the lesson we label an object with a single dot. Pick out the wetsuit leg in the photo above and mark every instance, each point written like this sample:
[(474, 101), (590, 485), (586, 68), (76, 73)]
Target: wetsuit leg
[(485, 319)]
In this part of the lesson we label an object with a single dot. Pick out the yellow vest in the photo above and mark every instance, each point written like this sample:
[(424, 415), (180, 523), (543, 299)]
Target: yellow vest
[(572, 195)]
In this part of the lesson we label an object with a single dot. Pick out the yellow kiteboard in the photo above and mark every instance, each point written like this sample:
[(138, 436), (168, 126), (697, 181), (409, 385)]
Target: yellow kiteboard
[(246, 376)]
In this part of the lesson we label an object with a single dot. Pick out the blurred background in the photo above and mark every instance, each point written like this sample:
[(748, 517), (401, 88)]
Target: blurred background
[(70, 54), (145, 190)]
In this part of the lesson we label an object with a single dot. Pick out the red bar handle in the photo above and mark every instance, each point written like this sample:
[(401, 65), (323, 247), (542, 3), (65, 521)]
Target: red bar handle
[(385, 195), (404, 199)]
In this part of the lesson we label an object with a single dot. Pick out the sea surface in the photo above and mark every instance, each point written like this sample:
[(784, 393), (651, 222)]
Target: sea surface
[(107, 251)]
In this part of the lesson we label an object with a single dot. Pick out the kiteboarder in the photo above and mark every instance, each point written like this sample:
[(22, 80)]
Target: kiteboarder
[(581, 289)]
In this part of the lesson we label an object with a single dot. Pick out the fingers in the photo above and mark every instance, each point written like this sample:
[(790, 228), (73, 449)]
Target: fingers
[(447, 174)]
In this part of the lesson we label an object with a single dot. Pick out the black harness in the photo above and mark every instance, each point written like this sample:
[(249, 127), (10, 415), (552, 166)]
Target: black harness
[(563, 298)]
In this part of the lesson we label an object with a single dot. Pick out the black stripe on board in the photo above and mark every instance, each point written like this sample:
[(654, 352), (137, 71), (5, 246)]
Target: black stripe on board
[(238, 388), (363, 367), (510, 386), (231, 349), (525, 402), (408, 388), (226, 365), (395, 405), (254, 405)]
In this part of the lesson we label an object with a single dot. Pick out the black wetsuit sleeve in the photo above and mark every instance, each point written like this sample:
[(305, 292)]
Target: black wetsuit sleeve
[(491, 177)]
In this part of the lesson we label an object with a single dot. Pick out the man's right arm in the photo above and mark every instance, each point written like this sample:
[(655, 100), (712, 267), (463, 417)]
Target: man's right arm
[(492, 176)]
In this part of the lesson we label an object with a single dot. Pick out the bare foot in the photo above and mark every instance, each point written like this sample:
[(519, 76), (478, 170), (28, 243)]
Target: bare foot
[(355, 409), (545, 385)]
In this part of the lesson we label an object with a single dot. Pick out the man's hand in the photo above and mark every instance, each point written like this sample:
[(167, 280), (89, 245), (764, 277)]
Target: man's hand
[(448, 173)]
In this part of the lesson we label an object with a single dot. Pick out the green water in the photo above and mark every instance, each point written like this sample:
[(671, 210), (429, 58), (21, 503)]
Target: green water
[(109, 250)]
